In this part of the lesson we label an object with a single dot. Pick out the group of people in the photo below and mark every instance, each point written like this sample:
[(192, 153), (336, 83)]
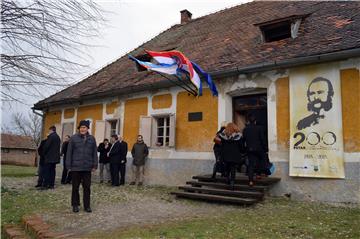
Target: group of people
[(80, 159), (234, 148), (113, 160)]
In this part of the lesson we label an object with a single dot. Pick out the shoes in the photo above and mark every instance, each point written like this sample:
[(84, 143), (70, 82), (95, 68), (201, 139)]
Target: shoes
[(132, 183), (88, 210), (101, 181), (109, 181), (140, 184), (75, 209), (38, 186)]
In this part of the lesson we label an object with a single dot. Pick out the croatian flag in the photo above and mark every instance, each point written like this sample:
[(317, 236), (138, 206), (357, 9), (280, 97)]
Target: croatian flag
[(175, 63)]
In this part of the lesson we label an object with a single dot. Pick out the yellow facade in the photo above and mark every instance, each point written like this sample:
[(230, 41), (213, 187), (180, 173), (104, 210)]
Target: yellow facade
[(134, 108), (350, 97), (51, 118), (282, 112), (162, 101), (93, 112), (110, 108), (69, 113), (196, 135)]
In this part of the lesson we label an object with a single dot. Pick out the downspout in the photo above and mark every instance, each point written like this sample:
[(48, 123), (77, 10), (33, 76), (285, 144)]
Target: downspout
[(42, 128)]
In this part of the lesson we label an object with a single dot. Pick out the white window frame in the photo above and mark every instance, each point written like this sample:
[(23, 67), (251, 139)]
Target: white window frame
[(166, 131)]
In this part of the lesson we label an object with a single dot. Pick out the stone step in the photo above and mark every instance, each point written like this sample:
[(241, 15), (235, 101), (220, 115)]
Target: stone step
[(224, 192), (240, 179), (242, 187), (11, 231), (215, 198)]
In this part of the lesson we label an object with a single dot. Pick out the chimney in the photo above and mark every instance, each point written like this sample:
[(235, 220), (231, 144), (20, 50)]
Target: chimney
[(185, 16)]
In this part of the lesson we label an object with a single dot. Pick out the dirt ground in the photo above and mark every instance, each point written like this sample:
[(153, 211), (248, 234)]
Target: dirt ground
[(114, 207)]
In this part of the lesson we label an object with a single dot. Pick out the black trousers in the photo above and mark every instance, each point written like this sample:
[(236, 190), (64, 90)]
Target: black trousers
[(231, 170), (49, 174), (115, 170), (66, 176), (256, 163), (83, 177), (41, 179)]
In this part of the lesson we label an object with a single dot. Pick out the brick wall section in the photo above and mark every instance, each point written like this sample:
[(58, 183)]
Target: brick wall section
[(17, 157)]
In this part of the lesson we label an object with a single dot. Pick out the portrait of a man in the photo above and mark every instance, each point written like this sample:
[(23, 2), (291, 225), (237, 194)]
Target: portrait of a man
[(319, 94)]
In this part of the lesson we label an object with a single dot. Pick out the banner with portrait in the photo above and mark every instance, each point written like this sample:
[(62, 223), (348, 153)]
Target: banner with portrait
[(316, 138)]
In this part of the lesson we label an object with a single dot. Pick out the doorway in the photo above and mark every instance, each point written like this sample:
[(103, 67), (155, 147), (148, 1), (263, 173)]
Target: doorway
[(246, 105)]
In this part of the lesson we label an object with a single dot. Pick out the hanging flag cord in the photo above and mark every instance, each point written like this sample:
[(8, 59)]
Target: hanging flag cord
[(185, 87)]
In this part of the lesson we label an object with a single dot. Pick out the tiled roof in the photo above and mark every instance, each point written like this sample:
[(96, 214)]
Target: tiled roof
[(230, 39), (12, 141)]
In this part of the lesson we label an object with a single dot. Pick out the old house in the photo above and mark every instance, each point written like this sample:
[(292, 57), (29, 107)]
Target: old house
[(295, 65), (18, 150)]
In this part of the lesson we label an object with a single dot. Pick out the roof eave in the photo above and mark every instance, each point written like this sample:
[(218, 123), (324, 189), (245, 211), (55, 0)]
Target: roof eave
[(299, 61)]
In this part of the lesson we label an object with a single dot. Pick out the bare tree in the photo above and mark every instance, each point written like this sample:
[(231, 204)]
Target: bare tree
[(29, 125), (44, 43)]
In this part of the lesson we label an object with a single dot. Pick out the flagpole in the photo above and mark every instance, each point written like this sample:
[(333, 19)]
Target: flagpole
[(188, 89)]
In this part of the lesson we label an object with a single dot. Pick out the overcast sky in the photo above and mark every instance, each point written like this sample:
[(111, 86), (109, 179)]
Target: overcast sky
[(131, 23)]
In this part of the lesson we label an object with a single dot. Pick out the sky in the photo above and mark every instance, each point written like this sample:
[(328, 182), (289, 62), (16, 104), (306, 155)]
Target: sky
[(129, 24)]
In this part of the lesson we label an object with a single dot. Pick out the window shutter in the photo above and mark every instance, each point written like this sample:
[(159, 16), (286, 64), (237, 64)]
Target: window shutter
[(172, 130), (145, 129), (99, 131), (154, 132)]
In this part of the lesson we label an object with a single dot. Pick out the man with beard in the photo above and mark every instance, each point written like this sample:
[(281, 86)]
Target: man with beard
[(319, 94)]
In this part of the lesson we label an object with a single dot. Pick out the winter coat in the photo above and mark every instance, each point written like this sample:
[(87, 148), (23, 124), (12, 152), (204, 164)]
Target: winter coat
[(64, 150), (118, 152), (103, 153), (41, 152), (139, 153), (232, 148), (254, 137), (217, 147), (52, 148), (82, 153)]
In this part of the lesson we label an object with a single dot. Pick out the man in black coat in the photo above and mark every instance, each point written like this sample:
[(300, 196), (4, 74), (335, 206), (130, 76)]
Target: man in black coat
[(66, 175), (81, 160), (256, 145), (118, 161), (52, 157), (41, 180)]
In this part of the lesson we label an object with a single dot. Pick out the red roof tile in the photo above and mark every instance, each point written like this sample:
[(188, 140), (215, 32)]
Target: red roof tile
[(12, 141), (229, 39)]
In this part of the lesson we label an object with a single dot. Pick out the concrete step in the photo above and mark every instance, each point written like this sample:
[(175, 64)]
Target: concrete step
[(240, 179), (223, 192), (242, 187), (215, 198)]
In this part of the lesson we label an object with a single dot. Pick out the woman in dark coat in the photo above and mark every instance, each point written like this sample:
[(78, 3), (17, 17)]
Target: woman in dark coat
[(66, 175), (232, 148)]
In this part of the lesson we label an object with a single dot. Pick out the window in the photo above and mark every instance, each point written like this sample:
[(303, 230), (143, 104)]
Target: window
[(113, 127), (5, 150), (276, 31), (163, 131), (280, 29)]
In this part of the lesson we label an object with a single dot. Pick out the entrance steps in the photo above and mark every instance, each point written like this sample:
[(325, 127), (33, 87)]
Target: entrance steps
[(205, 188)]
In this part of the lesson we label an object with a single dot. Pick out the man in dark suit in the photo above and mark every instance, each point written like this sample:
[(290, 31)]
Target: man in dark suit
[(52, 157), (256, 145), (41, 179), (117, 156)]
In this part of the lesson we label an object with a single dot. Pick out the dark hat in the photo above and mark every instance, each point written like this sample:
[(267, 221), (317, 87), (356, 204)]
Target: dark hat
[(84, 123)]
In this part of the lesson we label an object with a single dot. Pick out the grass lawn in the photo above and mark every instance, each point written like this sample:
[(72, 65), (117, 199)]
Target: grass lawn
[(272, 218), (275, 218), (17, 171)]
